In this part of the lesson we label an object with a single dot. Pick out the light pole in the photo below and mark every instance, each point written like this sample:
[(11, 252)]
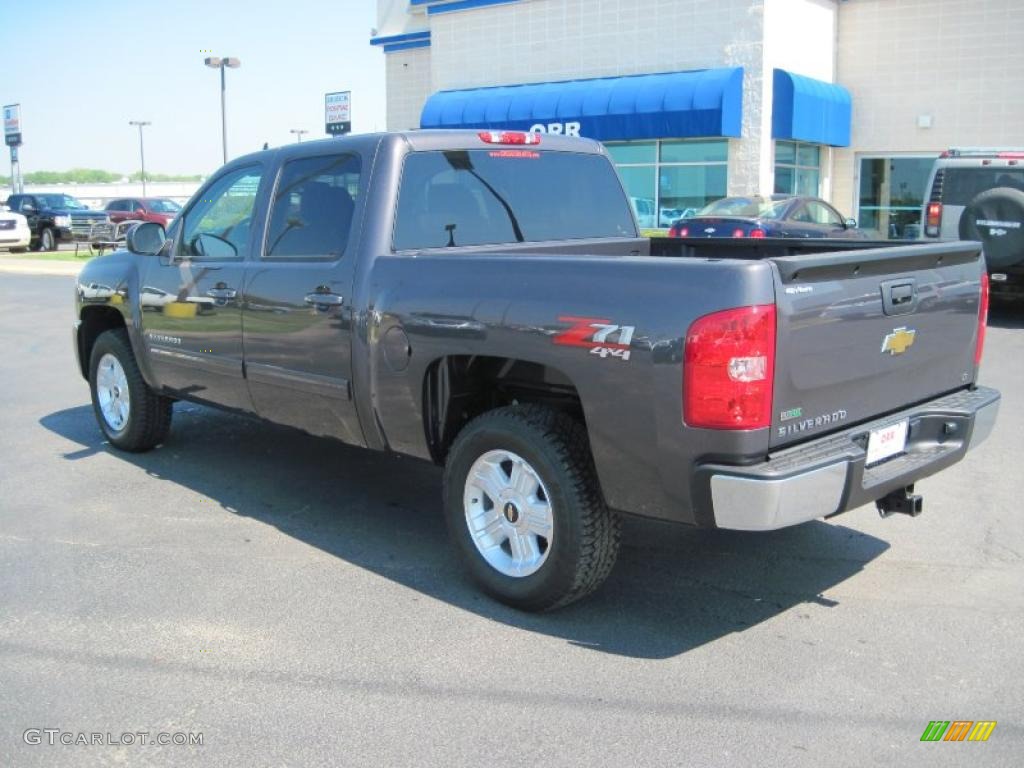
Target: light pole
[(221, 64), (298, 134), (142, 151)]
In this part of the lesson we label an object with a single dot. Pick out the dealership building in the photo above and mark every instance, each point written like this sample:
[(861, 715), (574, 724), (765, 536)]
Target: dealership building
[(850, 100)]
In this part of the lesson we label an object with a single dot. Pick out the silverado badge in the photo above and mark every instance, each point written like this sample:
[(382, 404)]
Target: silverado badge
[(899, 341)]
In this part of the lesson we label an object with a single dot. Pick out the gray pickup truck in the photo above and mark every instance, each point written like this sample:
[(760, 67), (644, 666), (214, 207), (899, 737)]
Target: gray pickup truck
[(483, 301)]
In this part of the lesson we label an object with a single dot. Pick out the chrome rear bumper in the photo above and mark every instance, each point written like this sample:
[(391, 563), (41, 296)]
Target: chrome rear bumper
[(827, 476)]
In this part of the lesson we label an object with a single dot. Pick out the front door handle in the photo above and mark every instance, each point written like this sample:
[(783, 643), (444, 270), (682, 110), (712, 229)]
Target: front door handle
[(222, 293), (324, 299)]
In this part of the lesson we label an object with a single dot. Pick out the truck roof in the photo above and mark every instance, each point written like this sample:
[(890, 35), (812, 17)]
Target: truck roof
[(419, 141)]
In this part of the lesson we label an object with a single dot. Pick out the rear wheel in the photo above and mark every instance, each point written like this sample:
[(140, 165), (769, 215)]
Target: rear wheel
[(524, 508), (132, 416)]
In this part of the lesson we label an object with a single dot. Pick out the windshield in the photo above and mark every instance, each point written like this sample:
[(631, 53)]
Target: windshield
[(61, 201), (747, 207), (162, 205)]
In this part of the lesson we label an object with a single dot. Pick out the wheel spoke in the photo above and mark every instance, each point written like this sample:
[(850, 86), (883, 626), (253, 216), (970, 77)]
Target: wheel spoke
[(523, 480), (538, 519), (488, 524), (490, 479), (524, 549)]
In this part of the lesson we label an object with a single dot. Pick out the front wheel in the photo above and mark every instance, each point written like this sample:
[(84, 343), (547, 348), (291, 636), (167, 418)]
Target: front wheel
[(47, 240), (525, 510), (132, 416)]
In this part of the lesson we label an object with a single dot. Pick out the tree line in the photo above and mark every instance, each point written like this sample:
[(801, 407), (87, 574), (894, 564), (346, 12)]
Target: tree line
[(94, 176)]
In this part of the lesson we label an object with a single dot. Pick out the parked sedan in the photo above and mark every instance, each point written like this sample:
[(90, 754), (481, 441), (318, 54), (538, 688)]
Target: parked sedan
[(14, 232), (160, 210), (775, 216)]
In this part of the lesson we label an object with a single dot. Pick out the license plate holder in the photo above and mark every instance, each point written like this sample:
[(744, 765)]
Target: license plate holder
[(886, 442)]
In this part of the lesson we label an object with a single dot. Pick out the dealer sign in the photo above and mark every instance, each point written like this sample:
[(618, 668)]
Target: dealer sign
[(12, 125), (338, 112)]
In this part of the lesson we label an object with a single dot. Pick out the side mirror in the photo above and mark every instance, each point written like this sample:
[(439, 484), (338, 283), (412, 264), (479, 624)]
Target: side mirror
[(145, 239), (28, 208), (850, 223)]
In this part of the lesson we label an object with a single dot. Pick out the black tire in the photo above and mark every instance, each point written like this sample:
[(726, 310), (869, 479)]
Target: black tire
[(47, 240), (585, 539), (1003, 240), (18, 250), (149, 414)]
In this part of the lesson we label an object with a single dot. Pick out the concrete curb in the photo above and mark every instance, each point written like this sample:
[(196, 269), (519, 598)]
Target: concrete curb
[(40, 267)]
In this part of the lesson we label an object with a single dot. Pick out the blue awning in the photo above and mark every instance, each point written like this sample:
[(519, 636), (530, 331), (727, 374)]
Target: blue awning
[(811, 110), (706, 102)]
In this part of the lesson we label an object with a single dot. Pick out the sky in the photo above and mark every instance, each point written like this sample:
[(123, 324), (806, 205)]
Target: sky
[(81, 69)]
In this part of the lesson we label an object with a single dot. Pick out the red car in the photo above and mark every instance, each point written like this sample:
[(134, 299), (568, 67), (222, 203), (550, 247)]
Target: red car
[(160, 210)]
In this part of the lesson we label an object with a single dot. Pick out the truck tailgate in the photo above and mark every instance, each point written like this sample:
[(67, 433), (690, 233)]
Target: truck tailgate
[(866, 332)]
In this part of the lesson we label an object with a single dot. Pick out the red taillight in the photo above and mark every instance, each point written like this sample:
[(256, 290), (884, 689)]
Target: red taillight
[(933, 219), (728, 369), (1017, 155), (757, 234), (982, 319), (509, 137), (738, 233), (683, 232)]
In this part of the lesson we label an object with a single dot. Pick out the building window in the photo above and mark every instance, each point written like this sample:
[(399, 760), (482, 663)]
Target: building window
[(672, 178), (797, 168), (892, 191)]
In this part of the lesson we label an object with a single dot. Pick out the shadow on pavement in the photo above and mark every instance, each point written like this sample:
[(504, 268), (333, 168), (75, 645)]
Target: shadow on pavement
[(674, 588)]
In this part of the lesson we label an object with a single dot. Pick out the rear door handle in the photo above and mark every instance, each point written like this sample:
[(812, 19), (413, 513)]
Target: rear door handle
[(324, 299), (222, 293)]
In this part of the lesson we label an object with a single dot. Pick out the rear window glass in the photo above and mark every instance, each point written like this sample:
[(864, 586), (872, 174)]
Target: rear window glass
[(960, 185), (508, 195)]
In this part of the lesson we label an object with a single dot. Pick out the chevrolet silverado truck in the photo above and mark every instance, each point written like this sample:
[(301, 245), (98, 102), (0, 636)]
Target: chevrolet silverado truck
[(58, 218), (482, 300)]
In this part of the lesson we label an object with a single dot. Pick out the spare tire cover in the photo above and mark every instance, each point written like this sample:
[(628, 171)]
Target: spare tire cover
[(996, 218)]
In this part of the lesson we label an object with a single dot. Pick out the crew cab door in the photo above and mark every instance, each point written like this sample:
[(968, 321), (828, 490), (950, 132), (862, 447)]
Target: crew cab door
[(28, 207), (297, 318), (191, 293)]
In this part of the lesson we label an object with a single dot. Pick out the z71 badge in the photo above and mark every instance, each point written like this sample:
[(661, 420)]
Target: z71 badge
[(595, 334)]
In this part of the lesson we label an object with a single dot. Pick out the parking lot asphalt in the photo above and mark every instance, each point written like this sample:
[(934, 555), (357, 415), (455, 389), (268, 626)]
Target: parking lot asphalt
[(295, 602)]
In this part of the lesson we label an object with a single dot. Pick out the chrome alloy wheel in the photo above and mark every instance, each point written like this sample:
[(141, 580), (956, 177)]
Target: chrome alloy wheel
[(112, 392), (508, 512)]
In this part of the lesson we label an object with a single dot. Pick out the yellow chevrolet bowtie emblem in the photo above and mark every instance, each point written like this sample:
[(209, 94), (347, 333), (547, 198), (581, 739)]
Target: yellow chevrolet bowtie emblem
[(899, 341)]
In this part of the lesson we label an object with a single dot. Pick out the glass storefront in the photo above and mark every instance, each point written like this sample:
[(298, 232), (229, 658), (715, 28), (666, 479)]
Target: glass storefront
[(797, 168), (892, 190), (671, 178)]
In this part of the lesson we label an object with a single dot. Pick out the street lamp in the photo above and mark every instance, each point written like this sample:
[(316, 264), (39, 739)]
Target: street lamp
[(142, 151), (221, 64), (298, 134)]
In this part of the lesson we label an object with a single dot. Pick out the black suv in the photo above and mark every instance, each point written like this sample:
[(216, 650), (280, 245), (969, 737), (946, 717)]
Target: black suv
[(978, 194), (58, 218)]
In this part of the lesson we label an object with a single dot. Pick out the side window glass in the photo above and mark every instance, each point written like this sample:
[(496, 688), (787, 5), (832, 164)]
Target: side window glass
[(803, 215), (311, 215), (822, 214), (217, 227)]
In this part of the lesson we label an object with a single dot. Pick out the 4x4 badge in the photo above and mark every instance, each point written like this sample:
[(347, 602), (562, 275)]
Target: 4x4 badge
[(899, 341)]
